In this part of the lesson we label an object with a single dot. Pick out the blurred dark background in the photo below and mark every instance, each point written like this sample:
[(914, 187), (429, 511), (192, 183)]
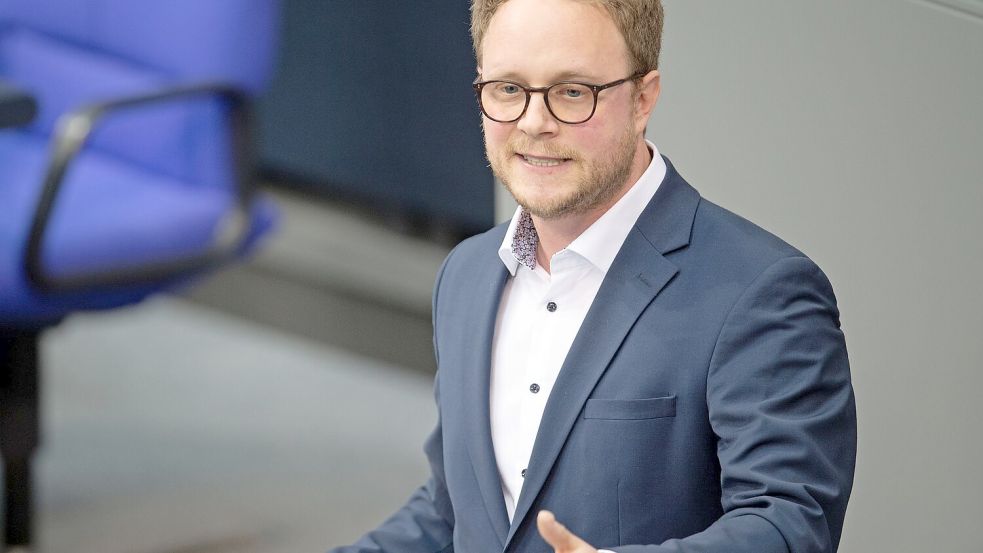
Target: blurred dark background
[(370, 105)]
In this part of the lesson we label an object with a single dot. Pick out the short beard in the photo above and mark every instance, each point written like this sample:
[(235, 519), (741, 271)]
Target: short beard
[(599, 184)]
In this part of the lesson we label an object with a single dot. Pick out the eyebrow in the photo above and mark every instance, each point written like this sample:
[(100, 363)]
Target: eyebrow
[(577, 76), (569, 75)]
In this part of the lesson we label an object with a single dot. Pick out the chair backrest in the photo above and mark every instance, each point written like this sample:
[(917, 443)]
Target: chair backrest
[(73, 52)]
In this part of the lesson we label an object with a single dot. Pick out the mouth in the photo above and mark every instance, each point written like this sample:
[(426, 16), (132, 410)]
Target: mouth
[(537, 161)]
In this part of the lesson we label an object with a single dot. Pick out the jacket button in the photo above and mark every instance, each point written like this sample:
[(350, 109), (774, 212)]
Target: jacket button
[(523, 473)]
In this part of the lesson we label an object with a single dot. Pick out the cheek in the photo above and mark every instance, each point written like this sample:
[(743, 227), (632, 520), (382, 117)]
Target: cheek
[(591, 138), (496, 134)]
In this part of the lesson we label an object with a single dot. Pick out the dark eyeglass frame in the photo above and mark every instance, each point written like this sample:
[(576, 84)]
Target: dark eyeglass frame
[(544, 90)]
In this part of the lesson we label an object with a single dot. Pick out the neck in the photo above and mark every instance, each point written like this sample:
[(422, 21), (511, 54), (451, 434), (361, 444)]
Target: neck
[(556, 233)]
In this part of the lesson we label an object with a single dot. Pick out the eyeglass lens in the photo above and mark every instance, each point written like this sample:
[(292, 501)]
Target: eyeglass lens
[(569, 102)]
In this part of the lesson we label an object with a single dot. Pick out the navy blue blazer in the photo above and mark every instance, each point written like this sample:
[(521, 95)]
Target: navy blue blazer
[(705, 405)]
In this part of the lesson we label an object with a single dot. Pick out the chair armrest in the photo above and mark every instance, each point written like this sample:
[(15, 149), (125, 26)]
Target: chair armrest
[(73, 130), (17, 107)]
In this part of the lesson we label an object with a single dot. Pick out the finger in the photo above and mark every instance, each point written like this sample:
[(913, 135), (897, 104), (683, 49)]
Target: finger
[(556, 534)]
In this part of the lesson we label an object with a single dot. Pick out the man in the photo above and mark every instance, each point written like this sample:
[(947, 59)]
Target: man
[(624, 357)]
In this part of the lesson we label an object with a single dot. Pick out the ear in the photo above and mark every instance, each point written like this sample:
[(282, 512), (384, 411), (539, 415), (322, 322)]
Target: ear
[(649, 88)]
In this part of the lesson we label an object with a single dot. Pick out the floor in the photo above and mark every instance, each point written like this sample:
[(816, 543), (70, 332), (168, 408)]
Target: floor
[(171, 427)]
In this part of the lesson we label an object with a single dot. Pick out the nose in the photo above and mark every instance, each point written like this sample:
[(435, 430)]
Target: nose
[(537, 120)]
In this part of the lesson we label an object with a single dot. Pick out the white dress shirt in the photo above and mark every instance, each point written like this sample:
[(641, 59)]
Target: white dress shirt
[(539, 316)]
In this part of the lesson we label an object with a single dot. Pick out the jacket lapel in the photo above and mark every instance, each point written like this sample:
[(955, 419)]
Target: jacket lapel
[(489, 282), (638, 274)]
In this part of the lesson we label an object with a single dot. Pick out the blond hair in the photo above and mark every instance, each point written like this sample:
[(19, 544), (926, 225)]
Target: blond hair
[(640, 23)]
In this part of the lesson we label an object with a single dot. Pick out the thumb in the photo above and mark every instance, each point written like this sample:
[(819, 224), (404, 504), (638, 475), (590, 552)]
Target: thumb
[(556, 534)]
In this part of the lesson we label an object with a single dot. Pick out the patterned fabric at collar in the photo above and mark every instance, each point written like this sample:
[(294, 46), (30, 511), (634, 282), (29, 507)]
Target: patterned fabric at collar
[(525, 241)]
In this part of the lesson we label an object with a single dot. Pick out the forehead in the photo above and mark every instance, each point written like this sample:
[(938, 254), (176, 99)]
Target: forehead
[(540, 39)]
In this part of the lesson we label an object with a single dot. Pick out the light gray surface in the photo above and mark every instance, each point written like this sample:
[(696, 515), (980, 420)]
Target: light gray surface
[(854, 130), (331, 274), (331, 246), (172, 428)]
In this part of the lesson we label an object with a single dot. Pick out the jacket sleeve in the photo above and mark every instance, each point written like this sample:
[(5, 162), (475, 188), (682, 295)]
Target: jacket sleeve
[(425, 524), (782, 407)]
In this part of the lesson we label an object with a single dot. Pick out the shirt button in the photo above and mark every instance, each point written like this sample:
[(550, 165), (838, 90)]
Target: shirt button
[(523, 473), (551, 306), (534, 388)]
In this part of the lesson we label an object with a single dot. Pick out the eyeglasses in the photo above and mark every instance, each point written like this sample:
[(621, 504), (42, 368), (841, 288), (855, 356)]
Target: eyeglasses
[(568, 101)]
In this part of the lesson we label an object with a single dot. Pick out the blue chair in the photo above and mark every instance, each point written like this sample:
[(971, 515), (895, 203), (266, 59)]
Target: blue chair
[(125, 170)]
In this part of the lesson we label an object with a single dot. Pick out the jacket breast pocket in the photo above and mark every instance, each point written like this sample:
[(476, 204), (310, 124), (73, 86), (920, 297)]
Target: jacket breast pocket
[(631, 409)]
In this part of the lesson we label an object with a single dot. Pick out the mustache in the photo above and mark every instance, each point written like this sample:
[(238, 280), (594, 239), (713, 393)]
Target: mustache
[(540, 149)]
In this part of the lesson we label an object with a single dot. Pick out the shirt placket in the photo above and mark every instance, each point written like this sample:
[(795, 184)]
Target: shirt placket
[(543, 361)]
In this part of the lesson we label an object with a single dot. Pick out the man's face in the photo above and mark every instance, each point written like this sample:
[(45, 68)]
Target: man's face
[(552, 168)]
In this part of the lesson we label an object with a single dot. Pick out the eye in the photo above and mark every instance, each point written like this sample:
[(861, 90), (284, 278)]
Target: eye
[(508, 89), (570, 92)]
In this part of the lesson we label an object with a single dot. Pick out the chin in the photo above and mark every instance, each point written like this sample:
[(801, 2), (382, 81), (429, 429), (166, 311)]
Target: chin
[(547, 207), (537, 198)]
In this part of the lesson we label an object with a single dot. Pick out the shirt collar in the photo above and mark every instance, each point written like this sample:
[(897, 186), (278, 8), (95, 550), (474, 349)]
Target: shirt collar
[(594, 244)]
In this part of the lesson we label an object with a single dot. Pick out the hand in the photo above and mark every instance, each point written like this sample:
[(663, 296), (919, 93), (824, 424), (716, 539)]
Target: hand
[(558, 537)]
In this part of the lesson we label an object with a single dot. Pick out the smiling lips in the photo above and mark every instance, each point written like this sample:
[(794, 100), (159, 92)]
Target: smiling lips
[(542, 161)]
